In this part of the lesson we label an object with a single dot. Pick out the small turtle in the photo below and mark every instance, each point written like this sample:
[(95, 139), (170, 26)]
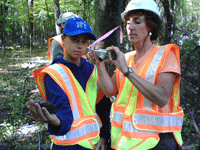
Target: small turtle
[(48, 105)]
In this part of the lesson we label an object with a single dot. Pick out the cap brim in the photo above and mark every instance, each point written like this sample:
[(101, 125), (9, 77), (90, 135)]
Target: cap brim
[(78, 32), (61, 21), (123, 14)]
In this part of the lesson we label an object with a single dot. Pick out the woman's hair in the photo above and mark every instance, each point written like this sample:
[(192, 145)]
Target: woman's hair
[(153, 21)]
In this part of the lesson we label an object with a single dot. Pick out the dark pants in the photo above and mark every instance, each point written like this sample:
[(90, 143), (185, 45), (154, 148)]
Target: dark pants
[(167, 142)]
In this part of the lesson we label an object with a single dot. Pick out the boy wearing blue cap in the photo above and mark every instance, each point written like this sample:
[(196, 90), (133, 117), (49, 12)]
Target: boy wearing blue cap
[(70, 83), (55, 45)]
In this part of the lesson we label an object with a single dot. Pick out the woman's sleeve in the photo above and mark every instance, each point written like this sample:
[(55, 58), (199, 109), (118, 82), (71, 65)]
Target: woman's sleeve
[(171, 64)]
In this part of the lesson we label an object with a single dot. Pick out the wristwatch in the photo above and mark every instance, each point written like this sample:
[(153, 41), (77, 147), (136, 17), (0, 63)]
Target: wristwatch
[(130, 70)]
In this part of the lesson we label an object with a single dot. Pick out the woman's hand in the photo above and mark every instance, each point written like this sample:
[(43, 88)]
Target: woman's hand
[(91, 54), (42, 114), (120, 62)]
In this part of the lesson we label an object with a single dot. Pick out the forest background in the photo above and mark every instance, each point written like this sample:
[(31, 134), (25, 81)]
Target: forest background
[(26, 26)]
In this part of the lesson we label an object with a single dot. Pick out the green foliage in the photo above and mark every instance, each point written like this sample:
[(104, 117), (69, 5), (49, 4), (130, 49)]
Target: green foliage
[(16, 18), (16, 84), (186, 35)]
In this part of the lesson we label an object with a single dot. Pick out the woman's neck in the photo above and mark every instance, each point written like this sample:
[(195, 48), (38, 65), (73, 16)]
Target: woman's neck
[(141, 49)]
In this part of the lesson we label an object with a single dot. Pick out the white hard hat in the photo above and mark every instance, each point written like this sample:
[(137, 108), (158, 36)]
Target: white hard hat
[(148, 5), (65, 16)]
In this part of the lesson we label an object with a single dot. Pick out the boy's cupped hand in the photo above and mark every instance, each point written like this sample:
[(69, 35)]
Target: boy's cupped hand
[(42, 114)]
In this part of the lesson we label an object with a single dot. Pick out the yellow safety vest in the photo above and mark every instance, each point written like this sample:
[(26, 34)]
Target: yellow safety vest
[(135, 121), (86, 125)]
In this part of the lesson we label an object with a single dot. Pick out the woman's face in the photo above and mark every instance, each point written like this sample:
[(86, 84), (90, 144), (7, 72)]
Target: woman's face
[(137, 29)]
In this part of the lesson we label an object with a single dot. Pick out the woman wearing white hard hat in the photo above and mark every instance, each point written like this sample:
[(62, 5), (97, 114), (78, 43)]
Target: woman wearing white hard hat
[(146, 114)]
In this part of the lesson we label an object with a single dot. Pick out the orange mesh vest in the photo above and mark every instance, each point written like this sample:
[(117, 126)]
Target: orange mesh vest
[(136, 122), (59, 40), (86, 125)]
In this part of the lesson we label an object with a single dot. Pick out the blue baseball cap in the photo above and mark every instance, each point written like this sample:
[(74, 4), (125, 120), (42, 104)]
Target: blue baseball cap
[(77, 26)]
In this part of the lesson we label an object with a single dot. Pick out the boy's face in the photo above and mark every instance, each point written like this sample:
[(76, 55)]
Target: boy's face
[(75, 46)]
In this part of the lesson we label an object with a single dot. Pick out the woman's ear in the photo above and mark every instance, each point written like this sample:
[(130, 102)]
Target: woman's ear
[(62, 25), (62, 37)]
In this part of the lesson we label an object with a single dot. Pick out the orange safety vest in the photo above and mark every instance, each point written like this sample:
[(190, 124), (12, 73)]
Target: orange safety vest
[(37, 72), (135, 121), (86, 125), (59, 40)]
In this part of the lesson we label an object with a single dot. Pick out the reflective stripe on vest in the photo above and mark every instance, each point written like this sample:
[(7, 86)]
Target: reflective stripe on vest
[(151, 74), (86, 125), (117, 117), (66, 79), (128, 126), (154, 120), (158, 120), (151, 120), (80, 132)]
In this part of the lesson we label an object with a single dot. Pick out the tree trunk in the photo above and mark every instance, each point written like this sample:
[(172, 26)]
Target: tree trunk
[(49, 23), (43, 32), (84, 10), (168, 22), (30, 5), (198, 48), (108, 17), (3, 13), (56, 15)]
